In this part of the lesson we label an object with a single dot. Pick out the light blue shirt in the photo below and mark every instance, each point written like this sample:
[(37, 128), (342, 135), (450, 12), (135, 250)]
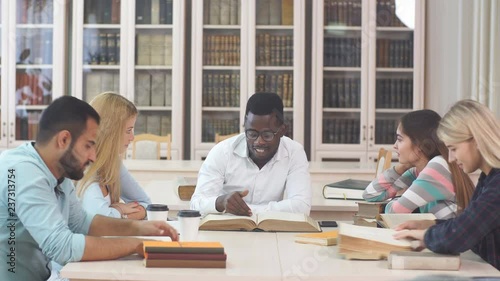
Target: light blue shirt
[(40, 220), (94, 202)]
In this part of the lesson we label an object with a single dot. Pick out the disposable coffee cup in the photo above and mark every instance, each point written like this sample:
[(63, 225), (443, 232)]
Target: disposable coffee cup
[(189, 222), (157, 212)]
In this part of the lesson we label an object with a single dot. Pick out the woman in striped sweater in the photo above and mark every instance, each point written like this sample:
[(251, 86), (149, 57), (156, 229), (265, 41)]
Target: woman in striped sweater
[(428, 182)]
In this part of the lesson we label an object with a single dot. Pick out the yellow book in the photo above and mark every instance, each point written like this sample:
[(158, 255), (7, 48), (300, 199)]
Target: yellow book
[(327, 238), (183, 247), (186, 187)]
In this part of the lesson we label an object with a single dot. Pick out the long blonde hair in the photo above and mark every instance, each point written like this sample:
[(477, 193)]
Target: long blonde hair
[(114, 111), (468, 119)]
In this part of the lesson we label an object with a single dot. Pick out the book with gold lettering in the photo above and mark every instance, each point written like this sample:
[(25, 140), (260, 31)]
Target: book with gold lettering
[(266, 221)]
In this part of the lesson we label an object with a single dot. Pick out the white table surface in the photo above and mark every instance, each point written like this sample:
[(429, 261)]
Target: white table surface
[(266, 256)]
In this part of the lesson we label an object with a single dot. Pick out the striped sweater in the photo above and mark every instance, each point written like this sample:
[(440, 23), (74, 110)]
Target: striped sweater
[(431, 190)]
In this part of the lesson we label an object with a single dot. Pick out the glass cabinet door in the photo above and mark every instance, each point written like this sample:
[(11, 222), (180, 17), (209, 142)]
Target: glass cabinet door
[(394, 72), (221, 72), (34, 33), (101, 41), (342, 71), (153, 66)]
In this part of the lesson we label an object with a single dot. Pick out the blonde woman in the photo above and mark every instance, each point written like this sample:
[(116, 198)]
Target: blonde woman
[(107, 180), (472, 134)]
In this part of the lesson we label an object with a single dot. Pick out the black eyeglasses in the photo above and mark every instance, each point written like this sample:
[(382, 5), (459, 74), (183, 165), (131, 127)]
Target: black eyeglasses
[(267, 136)]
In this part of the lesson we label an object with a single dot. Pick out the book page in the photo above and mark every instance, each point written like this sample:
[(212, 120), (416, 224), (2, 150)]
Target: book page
[(382, 235), (282, 216), (392, 220), (227, 222)]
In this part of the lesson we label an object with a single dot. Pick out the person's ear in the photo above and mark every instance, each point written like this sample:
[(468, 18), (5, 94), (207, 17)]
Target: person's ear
[(284, 131), (63, 139)]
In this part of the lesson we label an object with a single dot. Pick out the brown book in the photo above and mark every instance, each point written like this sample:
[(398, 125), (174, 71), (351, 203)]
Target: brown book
[(267, 221), (286, 12), (424, 260), (368, 243), (393, 220), (175, 256), (327, 238), (186, 187), (185, 263), (370, 209)]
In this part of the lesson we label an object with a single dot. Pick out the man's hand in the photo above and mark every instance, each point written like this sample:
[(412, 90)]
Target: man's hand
[(233, 203), (417, 235), (416, 224), (155, 228)]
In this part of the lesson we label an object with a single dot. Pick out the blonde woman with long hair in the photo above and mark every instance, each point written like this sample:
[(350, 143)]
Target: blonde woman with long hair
[(107, 180), (472, 134)]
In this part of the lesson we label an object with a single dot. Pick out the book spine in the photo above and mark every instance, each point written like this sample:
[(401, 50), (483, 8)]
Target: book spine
[(164, 256)]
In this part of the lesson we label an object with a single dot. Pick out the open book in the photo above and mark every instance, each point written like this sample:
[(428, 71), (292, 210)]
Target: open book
[(393, 220), (369, 243), (267, 221), (346, 189)]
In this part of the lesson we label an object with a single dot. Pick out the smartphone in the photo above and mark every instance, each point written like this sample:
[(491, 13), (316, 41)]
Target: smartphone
[(328, 223)]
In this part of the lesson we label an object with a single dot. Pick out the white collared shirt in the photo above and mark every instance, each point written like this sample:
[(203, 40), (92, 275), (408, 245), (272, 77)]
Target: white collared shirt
[(283, 184)]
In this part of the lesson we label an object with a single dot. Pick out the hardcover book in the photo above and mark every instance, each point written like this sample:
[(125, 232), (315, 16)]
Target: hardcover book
[(393, 220), (424, 260), (369, 243), (346, 189), (267, 221)]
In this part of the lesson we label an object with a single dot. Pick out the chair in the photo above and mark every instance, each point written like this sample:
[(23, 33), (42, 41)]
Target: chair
[(148, 146), (383, 161), (219, 137)]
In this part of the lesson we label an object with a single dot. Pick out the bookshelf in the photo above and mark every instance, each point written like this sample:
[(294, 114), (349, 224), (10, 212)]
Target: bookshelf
[(32, 69), (134, 48), (367, 73), (239, 48)]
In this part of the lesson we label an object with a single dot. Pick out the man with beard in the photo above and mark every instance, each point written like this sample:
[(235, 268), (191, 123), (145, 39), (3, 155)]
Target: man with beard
[(258, 170), (41, 219)]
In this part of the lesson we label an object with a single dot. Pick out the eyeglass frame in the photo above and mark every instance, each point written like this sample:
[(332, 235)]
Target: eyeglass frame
[(260, 134)]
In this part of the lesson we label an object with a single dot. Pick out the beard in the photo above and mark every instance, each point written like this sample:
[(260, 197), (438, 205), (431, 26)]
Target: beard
[(71, 166)]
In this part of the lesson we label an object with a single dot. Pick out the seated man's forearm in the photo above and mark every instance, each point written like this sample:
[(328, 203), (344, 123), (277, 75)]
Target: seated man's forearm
[(98, 248)]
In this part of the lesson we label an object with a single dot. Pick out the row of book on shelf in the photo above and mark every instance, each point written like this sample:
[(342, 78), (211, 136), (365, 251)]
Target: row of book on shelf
[(153, 88), (153, 123), (386, 14), (97, 82), (221, 12), (154, 49), (342, 52), (102, 11), (35, 12), (341, 92), (342, 12), (211, 126), (154, 12), (27, 125), (274, 12), (394, 93), (221, 89), (101, 47), (221, 49), (341, 130), (281, 84), (274, 50), (385, 131), (33, 87), (395, 53), (34, 47)]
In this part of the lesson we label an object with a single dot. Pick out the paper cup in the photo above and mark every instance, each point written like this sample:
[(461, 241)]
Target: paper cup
[(189, 222), (157, 212)]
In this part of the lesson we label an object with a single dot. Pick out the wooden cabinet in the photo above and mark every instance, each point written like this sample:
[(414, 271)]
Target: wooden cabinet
[(368, 67), (239, 48), (135, 48), (32, 65)]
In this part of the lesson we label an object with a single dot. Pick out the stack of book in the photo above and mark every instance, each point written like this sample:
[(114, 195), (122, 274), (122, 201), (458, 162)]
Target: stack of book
[(347, 189), (369, 213), (184, 254)]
